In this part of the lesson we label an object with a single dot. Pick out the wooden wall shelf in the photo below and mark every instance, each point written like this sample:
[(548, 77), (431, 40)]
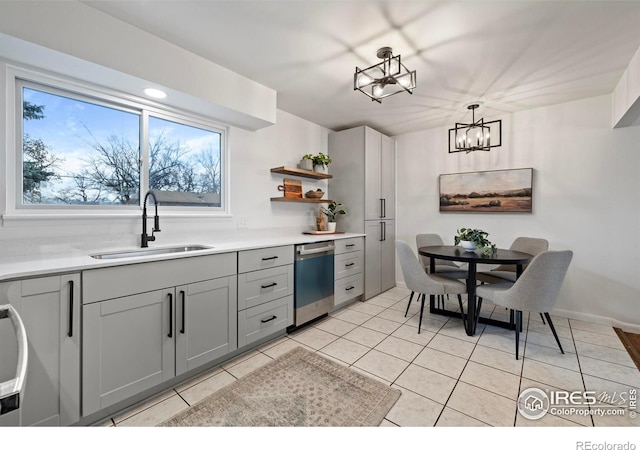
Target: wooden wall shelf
[(301, 173), (302, 200)]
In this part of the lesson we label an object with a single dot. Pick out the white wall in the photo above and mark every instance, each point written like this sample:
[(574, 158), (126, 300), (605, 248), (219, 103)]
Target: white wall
[(252, 154), (585, 198)]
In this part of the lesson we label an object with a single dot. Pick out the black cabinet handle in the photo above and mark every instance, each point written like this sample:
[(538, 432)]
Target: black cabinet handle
[(349, 288), (184, 311), (264, 286), (384, 207), (350, 245), (270, 257), (170, 316), (350, 264), (70, 332), (381, 208), (269, 319), (384, 231), (381, 232)]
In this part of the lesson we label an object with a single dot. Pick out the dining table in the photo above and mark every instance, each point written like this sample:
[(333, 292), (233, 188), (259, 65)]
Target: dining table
[(472, 258)]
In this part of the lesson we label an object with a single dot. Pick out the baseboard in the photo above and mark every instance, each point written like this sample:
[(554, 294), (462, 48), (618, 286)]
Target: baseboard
[(628, 327)]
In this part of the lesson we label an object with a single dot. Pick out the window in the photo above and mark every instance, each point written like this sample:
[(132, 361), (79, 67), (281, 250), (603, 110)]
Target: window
[(79, 151)]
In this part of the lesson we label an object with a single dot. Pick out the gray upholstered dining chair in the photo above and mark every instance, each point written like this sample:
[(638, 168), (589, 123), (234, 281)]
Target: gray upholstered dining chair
[(533, 246), (422, 282), (536, 290), (443, 267)]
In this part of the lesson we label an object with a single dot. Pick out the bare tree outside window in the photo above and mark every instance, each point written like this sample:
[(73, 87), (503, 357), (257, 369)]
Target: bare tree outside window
[(76, 152)]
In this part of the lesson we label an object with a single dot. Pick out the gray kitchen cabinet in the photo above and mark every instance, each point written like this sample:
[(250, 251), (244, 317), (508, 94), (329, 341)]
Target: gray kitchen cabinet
[(348, 270), (206, 326), (379, 179), (137, 341), (50, 309), (363, 180), (380, 262), (265, 292)]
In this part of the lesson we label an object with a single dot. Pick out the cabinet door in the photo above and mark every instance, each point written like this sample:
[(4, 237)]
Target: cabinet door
[(388, 177), (50, 310), (388, 256), (206, 322), (372, 175), (372, 258), (128, 347)]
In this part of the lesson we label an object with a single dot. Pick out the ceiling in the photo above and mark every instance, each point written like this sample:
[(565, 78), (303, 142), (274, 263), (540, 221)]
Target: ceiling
[(510, 55)]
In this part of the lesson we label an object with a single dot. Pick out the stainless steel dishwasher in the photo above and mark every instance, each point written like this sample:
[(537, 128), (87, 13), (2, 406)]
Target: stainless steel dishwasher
[(313, 275)]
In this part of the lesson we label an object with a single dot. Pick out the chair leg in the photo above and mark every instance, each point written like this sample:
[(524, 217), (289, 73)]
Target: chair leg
[(542, 317), (553, 330), (421, 311), (410, 299), (518, 325), (478, 307)]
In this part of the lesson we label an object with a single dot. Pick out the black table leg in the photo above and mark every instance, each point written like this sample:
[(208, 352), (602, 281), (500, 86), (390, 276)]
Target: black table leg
[(471, 300), (432, 298)]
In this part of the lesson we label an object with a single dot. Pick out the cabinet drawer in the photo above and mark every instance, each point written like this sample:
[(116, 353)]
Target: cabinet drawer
[(263, 320), (348, 245), (264, 258), (348, 264), (261, 286), (348, 288)]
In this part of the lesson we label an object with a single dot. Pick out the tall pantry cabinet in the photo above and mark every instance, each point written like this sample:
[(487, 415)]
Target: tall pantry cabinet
[(363, 169)]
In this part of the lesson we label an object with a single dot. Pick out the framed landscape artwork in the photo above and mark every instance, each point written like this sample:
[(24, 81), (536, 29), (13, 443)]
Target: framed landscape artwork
[(489, 191)]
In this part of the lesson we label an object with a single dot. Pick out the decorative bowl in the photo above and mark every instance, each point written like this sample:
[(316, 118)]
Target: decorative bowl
[(318, 193), (468, 245)]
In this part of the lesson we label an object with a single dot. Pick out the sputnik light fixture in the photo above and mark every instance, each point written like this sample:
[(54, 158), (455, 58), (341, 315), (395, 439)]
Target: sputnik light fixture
[(477, 135), (386, 78)]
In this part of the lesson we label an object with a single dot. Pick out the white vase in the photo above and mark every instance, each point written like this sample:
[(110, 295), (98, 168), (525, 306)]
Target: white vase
[(331, 227), (306, 164), (320, 168), (468, 245)]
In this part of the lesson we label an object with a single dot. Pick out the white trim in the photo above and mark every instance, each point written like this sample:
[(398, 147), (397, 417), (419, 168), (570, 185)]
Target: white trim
[(15, 212)]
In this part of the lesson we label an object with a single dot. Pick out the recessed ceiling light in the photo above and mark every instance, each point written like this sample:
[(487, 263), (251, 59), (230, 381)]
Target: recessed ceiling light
[(155, 93)]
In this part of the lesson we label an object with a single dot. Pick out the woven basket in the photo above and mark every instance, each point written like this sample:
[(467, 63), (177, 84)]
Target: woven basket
[(314, 194)]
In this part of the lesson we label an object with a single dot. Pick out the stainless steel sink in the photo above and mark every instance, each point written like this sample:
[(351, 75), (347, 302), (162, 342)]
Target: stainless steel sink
[(150, 251)]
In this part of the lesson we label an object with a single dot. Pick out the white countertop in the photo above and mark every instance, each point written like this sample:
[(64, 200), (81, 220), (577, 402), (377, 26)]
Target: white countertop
[(73, 261)]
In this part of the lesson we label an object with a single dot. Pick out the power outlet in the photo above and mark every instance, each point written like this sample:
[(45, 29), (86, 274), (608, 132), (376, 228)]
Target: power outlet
[(242, 223)]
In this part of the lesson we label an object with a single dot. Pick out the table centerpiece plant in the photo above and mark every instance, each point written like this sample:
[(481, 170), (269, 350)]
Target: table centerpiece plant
[(472, 238)]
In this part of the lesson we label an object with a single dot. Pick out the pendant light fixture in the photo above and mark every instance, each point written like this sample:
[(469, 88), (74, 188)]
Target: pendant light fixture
[(477, 135), (386, 78)]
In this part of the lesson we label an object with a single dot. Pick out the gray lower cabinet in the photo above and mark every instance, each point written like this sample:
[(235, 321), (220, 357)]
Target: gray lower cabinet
[(265, 292), (50, 310), (135, 342)]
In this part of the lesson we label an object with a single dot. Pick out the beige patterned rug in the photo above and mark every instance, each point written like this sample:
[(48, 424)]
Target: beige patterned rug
[(299, 388)]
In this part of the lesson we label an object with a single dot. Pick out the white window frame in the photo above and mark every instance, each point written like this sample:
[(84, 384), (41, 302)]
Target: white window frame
[(15, 210)]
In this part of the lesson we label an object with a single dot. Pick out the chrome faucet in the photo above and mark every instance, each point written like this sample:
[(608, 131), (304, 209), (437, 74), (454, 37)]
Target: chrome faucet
[(156, 221)]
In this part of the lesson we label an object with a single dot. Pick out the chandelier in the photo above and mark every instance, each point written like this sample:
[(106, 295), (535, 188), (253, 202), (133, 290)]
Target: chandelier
[(480, 135), (386, 78)]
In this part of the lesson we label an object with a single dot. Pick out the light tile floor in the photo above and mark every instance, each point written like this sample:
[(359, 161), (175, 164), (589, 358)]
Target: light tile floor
[(446, 377)]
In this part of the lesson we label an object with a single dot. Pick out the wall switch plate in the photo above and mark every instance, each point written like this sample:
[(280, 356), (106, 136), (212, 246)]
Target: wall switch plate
[(242, 223)]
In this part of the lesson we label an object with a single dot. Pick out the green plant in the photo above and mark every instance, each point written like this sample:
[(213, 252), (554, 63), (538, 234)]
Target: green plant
[(477, 236), (321, 160), (334, 209), (308, 156)]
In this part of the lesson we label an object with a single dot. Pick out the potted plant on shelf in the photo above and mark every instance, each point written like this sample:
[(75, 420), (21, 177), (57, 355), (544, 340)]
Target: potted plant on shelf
[(306, 162), (321, 163), (474, 238), (333, 210)]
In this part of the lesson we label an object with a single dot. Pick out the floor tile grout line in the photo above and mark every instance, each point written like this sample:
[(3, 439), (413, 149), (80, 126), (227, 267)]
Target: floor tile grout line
[(584, 385)]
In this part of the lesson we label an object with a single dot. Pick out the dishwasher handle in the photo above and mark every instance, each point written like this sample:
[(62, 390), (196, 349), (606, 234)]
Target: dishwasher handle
[(311, 251), (11, 390)]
